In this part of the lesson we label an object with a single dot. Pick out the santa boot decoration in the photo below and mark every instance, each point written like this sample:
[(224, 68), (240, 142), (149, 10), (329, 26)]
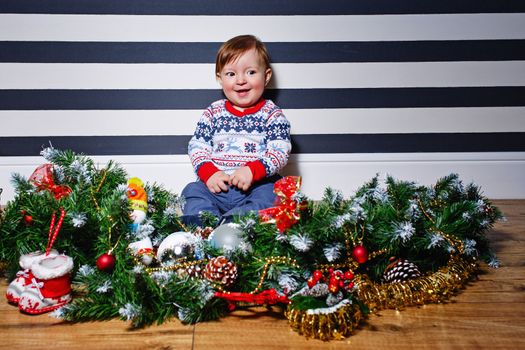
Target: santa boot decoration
[(24, 276), (50, 287)]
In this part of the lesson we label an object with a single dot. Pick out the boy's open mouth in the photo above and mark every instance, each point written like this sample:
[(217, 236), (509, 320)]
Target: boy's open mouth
[(242, 92)]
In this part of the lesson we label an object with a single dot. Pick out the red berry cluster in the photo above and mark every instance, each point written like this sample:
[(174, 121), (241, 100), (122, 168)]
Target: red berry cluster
[(336, 280)]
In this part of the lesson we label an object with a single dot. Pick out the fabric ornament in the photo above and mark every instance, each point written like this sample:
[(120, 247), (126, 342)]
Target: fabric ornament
[(24, 277), (50, 286)]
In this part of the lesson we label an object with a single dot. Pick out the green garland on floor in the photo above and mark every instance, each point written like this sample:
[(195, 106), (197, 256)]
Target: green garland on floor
[(318, 264)]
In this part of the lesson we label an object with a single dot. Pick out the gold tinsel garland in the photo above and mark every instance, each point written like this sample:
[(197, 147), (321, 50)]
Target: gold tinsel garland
[(326, 324), (336, 324)]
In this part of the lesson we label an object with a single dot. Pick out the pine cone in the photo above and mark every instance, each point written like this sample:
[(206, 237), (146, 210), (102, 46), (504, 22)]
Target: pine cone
[(221, 270), (400, 271), (194, 271), (204, 233)]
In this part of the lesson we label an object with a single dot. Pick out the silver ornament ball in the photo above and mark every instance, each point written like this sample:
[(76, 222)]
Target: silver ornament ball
[(226, 236)]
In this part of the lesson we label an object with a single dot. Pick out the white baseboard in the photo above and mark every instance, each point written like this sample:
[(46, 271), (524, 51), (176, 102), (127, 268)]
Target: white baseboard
[(500, 175)]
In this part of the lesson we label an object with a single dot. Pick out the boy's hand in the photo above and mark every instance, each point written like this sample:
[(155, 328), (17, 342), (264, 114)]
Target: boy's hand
[(218, 182), (242, 178)]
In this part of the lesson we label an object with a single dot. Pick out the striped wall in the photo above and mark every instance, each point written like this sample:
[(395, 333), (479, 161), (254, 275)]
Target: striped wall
[(412, 89)]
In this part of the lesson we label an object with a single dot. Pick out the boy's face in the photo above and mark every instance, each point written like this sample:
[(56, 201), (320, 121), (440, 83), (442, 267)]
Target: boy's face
[(243, 80)]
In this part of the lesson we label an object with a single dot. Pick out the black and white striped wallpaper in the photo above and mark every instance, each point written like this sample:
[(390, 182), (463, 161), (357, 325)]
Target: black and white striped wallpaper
[(368, 86)]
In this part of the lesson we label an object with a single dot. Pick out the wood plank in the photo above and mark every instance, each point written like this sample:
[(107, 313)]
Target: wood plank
[(20, 331)]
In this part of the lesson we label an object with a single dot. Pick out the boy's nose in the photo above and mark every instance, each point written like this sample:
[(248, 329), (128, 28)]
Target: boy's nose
[(241, 80)]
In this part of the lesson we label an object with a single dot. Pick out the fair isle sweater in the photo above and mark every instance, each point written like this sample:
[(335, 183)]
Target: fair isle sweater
[(227, 139)]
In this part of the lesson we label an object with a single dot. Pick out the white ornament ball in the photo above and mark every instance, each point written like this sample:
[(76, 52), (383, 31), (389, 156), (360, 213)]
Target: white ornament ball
[(177, 242), (226, 236)]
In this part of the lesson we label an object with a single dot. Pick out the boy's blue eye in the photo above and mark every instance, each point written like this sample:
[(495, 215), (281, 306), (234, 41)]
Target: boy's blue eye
[(251, 72), (229, 74)]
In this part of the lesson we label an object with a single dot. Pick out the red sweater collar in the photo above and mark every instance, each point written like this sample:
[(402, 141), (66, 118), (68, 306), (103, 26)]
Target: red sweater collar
[(250, 110)]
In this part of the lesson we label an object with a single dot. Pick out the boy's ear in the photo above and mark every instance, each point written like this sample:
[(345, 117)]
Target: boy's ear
[(267, 76), (218, 77)]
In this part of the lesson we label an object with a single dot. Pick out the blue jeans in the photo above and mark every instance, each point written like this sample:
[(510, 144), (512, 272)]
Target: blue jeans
[(226, 205)]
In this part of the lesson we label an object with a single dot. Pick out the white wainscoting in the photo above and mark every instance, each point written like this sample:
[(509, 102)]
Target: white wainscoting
[(500, 175)]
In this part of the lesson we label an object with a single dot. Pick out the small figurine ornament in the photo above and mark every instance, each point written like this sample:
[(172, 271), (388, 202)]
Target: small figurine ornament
[(138, 199)]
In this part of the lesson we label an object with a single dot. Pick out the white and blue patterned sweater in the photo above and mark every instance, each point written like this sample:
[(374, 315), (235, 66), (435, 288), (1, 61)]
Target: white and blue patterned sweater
[(230, 139)]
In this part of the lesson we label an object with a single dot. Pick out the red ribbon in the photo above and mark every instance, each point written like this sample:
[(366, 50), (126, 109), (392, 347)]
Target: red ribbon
[(42, 179), (267, 297), (287, 211), (53, 229)]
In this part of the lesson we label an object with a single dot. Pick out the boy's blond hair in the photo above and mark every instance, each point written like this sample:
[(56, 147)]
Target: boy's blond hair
[(235, 47)]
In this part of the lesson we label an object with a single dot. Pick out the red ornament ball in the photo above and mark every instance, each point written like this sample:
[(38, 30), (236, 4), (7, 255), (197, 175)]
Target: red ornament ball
[(28, 219), (106, 262), (360, 254)]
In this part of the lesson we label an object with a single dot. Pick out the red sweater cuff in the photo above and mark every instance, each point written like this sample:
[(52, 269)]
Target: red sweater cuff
[(258, 170), (206, 170)]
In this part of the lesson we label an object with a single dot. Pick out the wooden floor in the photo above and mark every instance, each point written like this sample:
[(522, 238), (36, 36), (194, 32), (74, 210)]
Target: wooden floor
[(489, 314)]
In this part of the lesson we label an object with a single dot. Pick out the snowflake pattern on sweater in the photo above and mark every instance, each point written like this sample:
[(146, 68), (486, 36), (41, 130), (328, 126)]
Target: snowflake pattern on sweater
[(231, 141)]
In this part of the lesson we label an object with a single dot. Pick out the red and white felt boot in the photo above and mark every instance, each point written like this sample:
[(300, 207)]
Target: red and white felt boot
[(24, 276), (50, 287)]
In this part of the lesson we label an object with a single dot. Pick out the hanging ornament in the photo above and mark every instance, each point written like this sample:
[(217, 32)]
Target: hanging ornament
[(221, 270), (401, 270), (28, 220), (226, 237), (138, 200), (176, 246), (106, 262), (360, 254)]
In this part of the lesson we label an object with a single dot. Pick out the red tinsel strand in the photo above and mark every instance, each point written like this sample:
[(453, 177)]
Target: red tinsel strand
[(267, 297)]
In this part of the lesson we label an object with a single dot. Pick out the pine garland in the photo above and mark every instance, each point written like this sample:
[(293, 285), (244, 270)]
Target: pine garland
[(311, 263)]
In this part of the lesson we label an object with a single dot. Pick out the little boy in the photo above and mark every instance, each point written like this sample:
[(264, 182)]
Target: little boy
[(241, 142)]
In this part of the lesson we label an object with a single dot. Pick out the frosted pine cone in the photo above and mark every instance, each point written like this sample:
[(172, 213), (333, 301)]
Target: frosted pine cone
[(194, 271), (401, 270), (204, 233), (221, 270)]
